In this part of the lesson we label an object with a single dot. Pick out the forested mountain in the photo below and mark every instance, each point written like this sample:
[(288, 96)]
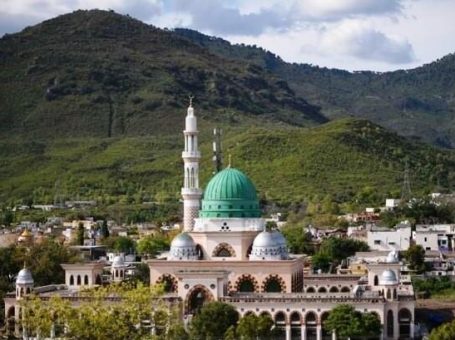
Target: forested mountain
[(101, 74), (419, 103), (92, 106)]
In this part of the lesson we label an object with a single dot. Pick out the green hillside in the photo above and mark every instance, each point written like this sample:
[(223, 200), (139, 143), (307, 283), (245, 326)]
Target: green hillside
[(347, 159), (418, 103), (101, 74)]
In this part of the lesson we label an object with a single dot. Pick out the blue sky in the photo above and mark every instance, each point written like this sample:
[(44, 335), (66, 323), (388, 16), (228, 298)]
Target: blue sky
[(379, 35)]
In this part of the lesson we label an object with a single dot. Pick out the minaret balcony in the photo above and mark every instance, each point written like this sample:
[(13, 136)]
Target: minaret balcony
[(191, 192), (191, 154)]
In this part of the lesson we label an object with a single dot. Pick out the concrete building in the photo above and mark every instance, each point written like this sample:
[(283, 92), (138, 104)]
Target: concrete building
[(398, 238)]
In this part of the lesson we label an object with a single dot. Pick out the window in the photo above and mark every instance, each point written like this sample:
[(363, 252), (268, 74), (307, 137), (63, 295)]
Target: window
[(377, 241), (391, 243), (425, 239)]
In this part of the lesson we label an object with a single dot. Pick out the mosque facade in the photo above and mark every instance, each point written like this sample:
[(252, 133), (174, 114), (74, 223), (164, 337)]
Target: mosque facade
[(226, 253)]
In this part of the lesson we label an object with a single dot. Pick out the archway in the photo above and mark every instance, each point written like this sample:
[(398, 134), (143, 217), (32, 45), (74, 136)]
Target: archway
[(322, 290), (280, 324), (345, 290), (169, 283), (376, 280), (197, 297), (273, 284), (333, 289), (390, 324), (71, 280), (311, 290), (326, 335), (223, 250), (311, 325), (296, 322), (98, 279), (246, 284), (404, 321)]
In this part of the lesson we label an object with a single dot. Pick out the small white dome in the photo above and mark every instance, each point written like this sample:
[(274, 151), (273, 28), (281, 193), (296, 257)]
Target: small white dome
[(183, 247), (183, 240), (118, 261), (24, 277), (388, 277), (269, 246), (392, 257)]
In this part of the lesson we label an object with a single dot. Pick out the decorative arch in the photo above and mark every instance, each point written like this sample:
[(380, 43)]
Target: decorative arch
[(311, 318), (322, 290), (273, 284), (404, 322), (198, 296), (376, 280), (295, 318), (390, 324), (266, 313), (323, 319), (247, 283), (86, 280), (345, 289), (333, 289), (169, 283), (223, 250), (78, 280), (71, 280), (311, 290), (280, 318)]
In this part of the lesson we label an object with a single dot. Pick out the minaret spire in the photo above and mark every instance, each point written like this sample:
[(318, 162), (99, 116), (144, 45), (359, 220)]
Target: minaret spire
[(191, 193)]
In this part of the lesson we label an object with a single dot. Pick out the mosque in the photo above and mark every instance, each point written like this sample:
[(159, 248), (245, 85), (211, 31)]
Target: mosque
[(225, 253)]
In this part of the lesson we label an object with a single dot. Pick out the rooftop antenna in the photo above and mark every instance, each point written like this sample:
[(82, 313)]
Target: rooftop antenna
[(406, 193), (217, 153)]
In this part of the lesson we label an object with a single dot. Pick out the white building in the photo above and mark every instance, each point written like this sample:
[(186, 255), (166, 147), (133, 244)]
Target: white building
[(398, 238), (438, 237)]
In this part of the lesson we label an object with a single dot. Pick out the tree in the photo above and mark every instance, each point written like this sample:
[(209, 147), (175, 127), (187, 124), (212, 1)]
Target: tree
[(415, 255), (80, 235), (121, 244), (346, 322), (152, 245), (104, 230), (298, 240), (444, 332), (213, 320), (252, 327), (93, 318)]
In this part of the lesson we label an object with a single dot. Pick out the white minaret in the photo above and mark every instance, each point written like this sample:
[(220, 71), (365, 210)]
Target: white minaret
[(191, 192)]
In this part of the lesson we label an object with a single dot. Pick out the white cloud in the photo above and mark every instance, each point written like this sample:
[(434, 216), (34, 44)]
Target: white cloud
[(358, 39)]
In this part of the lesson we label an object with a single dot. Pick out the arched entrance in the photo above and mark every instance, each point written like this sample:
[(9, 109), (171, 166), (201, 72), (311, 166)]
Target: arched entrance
[(246, 284), (390, 324), (197, 297), (404, 321), (326, 335), (280, 324), (296, 323), (333, 289), (311, 320), (322, 290)]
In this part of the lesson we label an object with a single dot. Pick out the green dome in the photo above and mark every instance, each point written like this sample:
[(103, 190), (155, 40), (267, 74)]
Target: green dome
[(230, 193)]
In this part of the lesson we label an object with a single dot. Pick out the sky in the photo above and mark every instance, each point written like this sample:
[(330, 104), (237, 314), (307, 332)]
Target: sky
[(377, 35)]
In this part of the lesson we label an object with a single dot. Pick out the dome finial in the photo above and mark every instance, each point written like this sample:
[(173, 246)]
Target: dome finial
[(230, 161), (191, 100)]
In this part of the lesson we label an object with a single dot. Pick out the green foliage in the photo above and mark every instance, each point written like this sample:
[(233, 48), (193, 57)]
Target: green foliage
[(415, 256), (80, 236), (252, 327), (120, 244), (152, 245), (347, 322), (104, 230), (213, 321), (299, 242), (93, 318), (433, 285), (411, 102), (444, 332)]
